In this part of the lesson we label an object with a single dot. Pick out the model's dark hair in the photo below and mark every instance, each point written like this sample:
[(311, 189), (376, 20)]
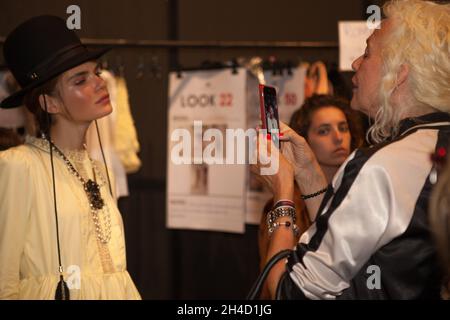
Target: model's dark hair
[(32, 103), (301, 119)]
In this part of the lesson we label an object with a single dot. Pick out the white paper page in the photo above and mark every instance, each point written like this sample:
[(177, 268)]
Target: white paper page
[(206, 196), (352, 42)]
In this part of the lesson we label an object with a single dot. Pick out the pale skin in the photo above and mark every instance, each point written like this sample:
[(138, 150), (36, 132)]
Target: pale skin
[(297, 160), (81, 98), (329, 138)]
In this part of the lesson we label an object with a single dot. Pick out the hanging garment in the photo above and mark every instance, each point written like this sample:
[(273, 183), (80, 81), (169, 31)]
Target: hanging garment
[(126, 140), (316, 81)]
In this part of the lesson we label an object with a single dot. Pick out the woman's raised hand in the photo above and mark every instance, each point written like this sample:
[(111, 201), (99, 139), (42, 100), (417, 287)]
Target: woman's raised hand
[(273, 168), (296, 150)]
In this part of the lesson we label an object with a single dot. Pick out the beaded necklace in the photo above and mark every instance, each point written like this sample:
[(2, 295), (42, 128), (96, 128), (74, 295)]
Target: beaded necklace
[(92, 190)]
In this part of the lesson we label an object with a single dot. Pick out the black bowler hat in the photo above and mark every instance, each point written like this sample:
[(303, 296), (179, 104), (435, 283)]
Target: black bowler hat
[(40, 49)]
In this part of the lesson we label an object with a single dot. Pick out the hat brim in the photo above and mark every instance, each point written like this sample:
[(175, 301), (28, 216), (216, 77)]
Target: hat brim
[(16, 99)]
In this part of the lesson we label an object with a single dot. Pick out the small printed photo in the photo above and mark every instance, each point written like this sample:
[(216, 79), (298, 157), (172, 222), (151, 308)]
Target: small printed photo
[(199, 172), (199, 179)]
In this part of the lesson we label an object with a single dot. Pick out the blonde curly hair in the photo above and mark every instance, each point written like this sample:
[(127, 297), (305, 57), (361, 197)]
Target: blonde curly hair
[(421, 41)]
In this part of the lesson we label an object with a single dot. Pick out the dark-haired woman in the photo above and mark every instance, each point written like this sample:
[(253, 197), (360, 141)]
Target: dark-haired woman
[(61, 233)]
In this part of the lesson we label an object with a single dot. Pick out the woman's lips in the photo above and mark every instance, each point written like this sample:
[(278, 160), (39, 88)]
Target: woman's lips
[(341, 151), (103, 100)]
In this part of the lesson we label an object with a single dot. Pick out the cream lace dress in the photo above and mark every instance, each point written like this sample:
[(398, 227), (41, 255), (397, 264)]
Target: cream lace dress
[(28, 246)]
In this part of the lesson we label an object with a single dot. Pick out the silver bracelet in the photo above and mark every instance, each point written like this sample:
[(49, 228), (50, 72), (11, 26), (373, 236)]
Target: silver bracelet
[(275, 214), (287, 224), (279, 212)]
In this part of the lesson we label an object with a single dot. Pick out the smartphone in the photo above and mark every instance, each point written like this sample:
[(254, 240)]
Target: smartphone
[(269, 109)]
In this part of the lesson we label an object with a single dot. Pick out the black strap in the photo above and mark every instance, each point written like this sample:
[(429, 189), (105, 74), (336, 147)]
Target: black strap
[(104, 159), (257, 286), (62, 291)]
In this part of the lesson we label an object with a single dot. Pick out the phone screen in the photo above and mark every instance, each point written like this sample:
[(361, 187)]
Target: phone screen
[(269, 109)]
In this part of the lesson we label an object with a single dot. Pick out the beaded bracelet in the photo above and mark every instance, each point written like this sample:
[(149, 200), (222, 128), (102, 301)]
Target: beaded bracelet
[(283, 203), (287, 224), (275, 214), (279, 212), (315, 194)]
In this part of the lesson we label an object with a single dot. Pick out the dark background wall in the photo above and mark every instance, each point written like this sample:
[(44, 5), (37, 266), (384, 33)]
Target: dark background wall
[(174, 264)]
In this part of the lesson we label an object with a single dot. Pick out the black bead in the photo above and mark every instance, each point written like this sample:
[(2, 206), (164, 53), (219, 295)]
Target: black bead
[(93, 192)]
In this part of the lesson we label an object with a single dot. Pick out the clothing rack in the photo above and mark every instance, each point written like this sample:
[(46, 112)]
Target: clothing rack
[(207, 44), (175, 45)]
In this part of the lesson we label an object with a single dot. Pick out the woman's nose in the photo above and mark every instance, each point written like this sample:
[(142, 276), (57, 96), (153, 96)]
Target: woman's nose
[(337, 136), (356, 63), (100, 83)]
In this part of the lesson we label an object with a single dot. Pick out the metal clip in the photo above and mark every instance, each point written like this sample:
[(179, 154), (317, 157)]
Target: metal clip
[(34, 76)]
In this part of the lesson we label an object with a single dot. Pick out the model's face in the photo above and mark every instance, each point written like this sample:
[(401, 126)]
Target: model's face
[(329, 136), (83, 94), (368, 67)]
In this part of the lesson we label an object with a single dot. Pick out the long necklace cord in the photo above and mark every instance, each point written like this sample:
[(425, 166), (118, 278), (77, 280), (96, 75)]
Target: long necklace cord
[(104, 159), (92, 190), (62, 292)]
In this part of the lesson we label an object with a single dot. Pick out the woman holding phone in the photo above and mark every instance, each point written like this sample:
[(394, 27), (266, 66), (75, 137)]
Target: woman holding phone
[(333, 131), (371, 237)]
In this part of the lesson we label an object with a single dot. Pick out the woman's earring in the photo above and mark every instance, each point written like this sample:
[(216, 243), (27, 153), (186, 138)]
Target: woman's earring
[(438, 159)]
